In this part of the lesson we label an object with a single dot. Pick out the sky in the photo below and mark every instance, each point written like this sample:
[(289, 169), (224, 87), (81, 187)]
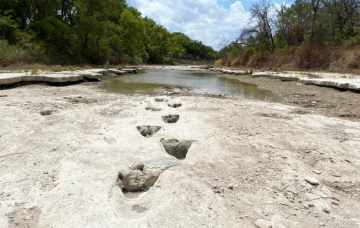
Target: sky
[(214, 22)]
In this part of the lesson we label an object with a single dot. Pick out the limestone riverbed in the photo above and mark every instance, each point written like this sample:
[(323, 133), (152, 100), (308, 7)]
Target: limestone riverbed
[(243, 163)]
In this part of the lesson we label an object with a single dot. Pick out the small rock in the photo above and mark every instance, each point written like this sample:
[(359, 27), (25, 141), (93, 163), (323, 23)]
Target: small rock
[(174, 105), (153, 109), (45, 172), (306, 206), (326, 210), (321, 224), (335, 203), (160, 100), (313, 102), (260, 223), (311, 205), (231, 186), (317, 172), (336, 175), (46, 113), (312, 181), (217, 190)]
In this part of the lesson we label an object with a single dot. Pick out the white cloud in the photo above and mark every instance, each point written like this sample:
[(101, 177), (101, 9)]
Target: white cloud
[(204, 20)]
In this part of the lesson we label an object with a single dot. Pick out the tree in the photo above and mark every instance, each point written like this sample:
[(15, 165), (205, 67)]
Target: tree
[(262, 24)]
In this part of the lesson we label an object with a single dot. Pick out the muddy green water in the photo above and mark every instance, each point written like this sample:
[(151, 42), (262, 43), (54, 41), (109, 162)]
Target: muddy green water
[(200, 82)]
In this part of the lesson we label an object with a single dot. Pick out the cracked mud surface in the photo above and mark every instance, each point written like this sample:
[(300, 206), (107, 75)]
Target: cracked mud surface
[(248, 165)]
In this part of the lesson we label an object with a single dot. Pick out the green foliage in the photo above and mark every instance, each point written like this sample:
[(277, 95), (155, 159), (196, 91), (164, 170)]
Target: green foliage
[(356, 39), (304, 29), (8, 29), (10, 54), (248, 53), (89, 31)]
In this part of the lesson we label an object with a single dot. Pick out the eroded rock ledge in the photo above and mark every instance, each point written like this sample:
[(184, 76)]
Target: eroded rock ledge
[(352, 84), (61, 77)]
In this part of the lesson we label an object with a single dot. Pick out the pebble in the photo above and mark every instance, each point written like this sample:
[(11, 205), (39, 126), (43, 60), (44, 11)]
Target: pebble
[(231, 186), (321, 224), (312, 181), (45, 172), (217, 190), (46, 113), (335, 203), (313, 102), (260, 223), (317, 172), (326, 210)]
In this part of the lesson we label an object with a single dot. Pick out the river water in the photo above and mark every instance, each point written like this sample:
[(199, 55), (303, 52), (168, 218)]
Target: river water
[(200, 82)]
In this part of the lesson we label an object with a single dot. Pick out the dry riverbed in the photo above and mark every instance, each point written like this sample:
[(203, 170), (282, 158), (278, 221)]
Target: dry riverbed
[(248, 163)]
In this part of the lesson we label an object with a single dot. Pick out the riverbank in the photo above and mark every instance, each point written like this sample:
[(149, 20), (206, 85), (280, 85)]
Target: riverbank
[(249, 162), (313, 99)]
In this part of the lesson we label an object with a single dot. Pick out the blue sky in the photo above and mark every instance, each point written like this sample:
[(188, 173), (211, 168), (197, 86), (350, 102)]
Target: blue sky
[(246, 4), (214, 22), (228, 3)]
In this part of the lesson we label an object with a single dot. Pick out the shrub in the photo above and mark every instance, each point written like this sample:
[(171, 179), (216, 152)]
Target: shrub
[(218, 63), (355, 62), (169, 61), (313, 54), (10, 54), (8, 29), (249, 52)]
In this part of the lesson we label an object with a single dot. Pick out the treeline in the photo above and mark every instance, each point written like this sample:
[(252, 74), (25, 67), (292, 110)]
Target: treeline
[(309, 33), (88, 31)]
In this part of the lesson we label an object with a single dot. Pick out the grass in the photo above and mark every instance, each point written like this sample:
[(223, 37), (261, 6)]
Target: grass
[(19, 68), (34, 72), (10, 54), (311, 75)]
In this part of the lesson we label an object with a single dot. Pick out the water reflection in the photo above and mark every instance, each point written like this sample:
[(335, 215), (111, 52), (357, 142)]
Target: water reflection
[(201, 82)]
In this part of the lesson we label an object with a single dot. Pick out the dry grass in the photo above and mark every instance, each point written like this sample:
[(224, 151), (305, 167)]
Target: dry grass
[(355, 62), (312, 56), (10, 54), (19, 67)]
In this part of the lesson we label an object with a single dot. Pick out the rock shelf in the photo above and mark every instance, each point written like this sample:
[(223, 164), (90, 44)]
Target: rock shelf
[(61, 77), (350, 83)]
